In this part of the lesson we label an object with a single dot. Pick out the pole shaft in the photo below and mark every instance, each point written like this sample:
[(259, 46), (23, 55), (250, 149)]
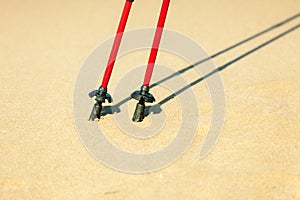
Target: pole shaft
[(116, 44), (156, 42)]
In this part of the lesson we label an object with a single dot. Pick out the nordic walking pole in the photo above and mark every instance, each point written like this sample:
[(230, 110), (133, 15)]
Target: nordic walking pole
[(101, 94), (143, 95)]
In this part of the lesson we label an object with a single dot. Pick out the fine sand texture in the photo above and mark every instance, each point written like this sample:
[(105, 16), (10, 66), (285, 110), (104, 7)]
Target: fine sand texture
[(42, 47)]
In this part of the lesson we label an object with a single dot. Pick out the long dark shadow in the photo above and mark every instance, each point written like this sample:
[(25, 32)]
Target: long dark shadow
[(225, 50), (165, 100), (116, 108)]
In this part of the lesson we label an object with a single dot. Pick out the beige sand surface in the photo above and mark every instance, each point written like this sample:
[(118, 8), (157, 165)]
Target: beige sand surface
[(42, 45)]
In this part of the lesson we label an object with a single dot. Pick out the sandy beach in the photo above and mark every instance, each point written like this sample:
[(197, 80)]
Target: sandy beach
[(42, 47)]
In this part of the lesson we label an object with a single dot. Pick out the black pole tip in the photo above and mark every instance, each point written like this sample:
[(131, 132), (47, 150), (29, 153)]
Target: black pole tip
[(101, 96), (139, 113), (142, 96), (96, 112)]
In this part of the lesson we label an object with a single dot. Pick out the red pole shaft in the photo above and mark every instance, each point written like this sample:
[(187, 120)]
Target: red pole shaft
[(116, 44), (156, 42)]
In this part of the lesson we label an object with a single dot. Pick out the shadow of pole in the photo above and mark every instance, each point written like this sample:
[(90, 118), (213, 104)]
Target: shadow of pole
[(227, 49), (156, 108), (165, 100)]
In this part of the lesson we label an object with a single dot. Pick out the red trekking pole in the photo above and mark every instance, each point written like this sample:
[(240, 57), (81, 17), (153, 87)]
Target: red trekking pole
[(101, 94), (143, 95)]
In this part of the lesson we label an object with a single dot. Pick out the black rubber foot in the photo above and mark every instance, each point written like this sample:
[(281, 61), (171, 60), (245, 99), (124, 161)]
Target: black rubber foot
[(96, 112), (142, 96), (101, 96), (139, 113)]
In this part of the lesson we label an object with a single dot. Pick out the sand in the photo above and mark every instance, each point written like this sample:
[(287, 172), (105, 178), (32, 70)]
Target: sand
[(44, 43)]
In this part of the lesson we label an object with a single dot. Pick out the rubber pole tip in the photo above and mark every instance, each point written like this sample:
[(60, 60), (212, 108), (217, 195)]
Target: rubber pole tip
[(96, 112), (139, 113)]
